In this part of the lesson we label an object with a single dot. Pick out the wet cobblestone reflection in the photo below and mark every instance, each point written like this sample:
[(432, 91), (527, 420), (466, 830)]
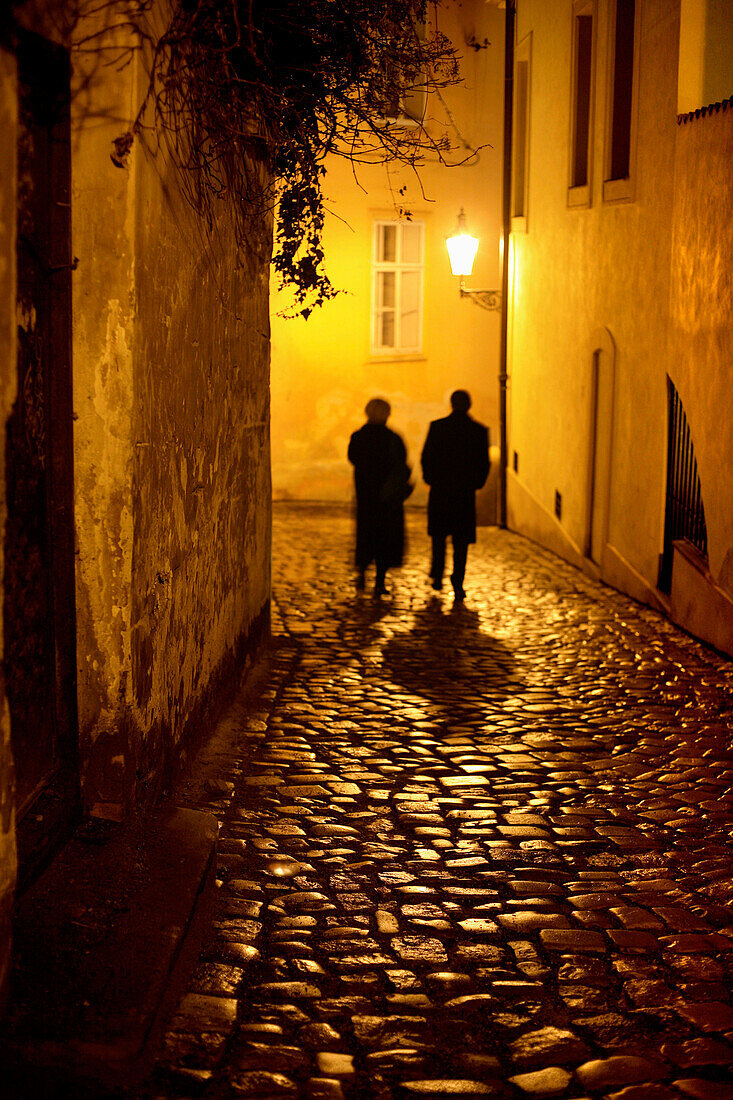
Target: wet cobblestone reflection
[(475, 850)]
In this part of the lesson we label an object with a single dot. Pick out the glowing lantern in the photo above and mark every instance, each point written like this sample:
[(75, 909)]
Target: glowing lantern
[(462, 249)]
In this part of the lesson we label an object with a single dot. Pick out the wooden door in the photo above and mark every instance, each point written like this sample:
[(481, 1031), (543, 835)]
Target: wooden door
[(38, 608)]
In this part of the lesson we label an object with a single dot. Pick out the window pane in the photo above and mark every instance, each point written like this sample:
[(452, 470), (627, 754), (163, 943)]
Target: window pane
[(410, 291), (385, 330), (411, 244), (385, 289), (581, 132), (623, 72), (387, 244), (410, 330), (521, 94), (410, 310), (415, 102)]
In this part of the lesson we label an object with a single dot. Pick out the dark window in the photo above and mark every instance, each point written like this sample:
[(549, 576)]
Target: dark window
[(582, 102), (623, 79)]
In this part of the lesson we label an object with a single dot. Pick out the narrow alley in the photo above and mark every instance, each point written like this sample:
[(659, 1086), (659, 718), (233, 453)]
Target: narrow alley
[(481, 849)]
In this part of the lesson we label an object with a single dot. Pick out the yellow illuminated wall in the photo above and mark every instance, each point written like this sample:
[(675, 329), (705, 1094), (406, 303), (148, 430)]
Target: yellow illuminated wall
[(636, 277), (323, 369)]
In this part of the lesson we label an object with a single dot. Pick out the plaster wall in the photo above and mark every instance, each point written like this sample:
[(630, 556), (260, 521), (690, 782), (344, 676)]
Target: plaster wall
[(323, 371), (8, 174), (701, 309), (580, 271), (171, 361), (103, 312), (201, 482)]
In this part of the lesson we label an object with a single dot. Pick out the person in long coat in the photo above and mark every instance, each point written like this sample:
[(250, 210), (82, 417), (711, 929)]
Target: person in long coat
[(455, 463), (381, 477)]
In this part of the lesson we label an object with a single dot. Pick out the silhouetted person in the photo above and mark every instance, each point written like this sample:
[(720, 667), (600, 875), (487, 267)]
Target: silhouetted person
[(455, 463), (381, 476)]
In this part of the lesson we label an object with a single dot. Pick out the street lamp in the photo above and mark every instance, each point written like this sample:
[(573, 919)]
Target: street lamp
[(462, 248)]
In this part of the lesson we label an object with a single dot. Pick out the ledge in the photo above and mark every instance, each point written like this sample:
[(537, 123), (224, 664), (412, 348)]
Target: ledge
[(102, 943), (697, 603), (710, 109)]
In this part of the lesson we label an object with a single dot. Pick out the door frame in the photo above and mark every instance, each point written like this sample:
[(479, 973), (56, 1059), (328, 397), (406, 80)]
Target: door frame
[(602, 359)]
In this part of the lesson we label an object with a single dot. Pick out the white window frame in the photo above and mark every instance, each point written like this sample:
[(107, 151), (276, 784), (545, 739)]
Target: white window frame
[(399, 268), (580, 194), (621, 189)]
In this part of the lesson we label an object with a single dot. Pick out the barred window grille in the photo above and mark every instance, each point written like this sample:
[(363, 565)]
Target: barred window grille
[(684, 513)]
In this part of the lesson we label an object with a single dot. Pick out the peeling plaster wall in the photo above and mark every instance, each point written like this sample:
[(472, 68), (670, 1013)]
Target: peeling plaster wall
[(102, 205), (8, 172), (201, 531), (171, 361), (323, 372), (171, 446)]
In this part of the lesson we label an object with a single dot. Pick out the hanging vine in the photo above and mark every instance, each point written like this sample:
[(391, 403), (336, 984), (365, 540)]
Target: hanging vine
[(252, 95)]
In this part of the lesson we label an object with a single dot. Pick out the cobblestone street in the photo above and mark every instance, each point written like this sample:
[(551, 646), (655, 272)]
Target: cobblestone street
[(479, 849)]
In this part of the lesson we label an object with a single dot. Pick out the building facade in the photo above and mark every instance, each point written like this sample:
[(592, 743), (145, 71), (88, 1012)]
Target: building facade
[(398, 330), (134, 360), (620, 421)]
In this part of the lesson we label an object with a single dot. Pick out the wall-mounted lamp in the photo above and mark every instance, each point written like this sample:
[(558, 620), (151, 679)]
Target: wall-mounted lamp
[(462, 250)]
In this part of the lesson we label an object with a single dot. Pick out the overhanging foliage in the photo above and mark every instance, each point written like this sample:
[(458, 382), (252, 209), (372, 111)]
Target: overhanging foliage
[(253, 94)]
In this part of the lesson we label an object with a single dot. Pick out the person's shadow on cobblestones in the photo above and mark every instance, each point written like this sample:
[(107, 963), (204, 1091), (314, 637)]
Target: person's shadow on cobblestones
[(446, 657)]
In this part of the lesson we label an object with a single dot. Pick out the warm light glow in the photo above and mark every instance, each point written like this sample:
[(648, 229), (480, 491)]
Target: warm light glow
[(462, 249)]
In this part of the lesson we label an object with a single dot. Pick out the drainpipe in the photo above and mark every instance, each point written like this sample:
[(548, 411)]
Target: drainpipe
[(506, 228)]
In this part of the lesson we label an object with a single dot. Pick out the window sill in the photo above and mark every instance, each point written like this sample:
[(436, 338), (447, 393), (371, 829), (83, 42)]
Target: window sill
[(579, 196), (519, 224), (397, 357), (619, 190)]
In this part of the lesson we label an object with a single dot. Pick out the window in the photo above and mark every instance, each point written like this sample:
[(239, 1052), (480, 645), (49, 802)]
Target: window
[(622, 96), (405, 97), (581, 104), (520, 143), (397, 286)]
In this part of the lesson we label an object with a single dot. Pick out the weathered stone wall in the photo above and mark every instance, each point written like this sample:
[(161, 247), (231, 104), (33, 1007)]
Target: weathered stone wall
[(171, 362), (103, 310), (8, 125), (201, 482), (171, 443)]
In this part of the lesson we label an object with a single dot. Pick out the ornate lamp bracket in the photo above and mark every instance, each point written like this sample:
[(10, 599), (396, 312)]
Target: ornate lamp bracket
[(487, 299)]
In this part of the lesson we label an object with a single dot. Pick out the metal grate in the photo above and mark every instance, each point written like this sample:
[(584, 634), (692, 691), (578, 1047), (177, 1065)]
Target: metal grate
[(684, 516)]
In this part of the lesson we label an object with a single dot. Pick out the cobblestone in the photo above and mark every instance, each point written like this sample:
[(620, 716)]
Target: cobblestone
[(479, 849)]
